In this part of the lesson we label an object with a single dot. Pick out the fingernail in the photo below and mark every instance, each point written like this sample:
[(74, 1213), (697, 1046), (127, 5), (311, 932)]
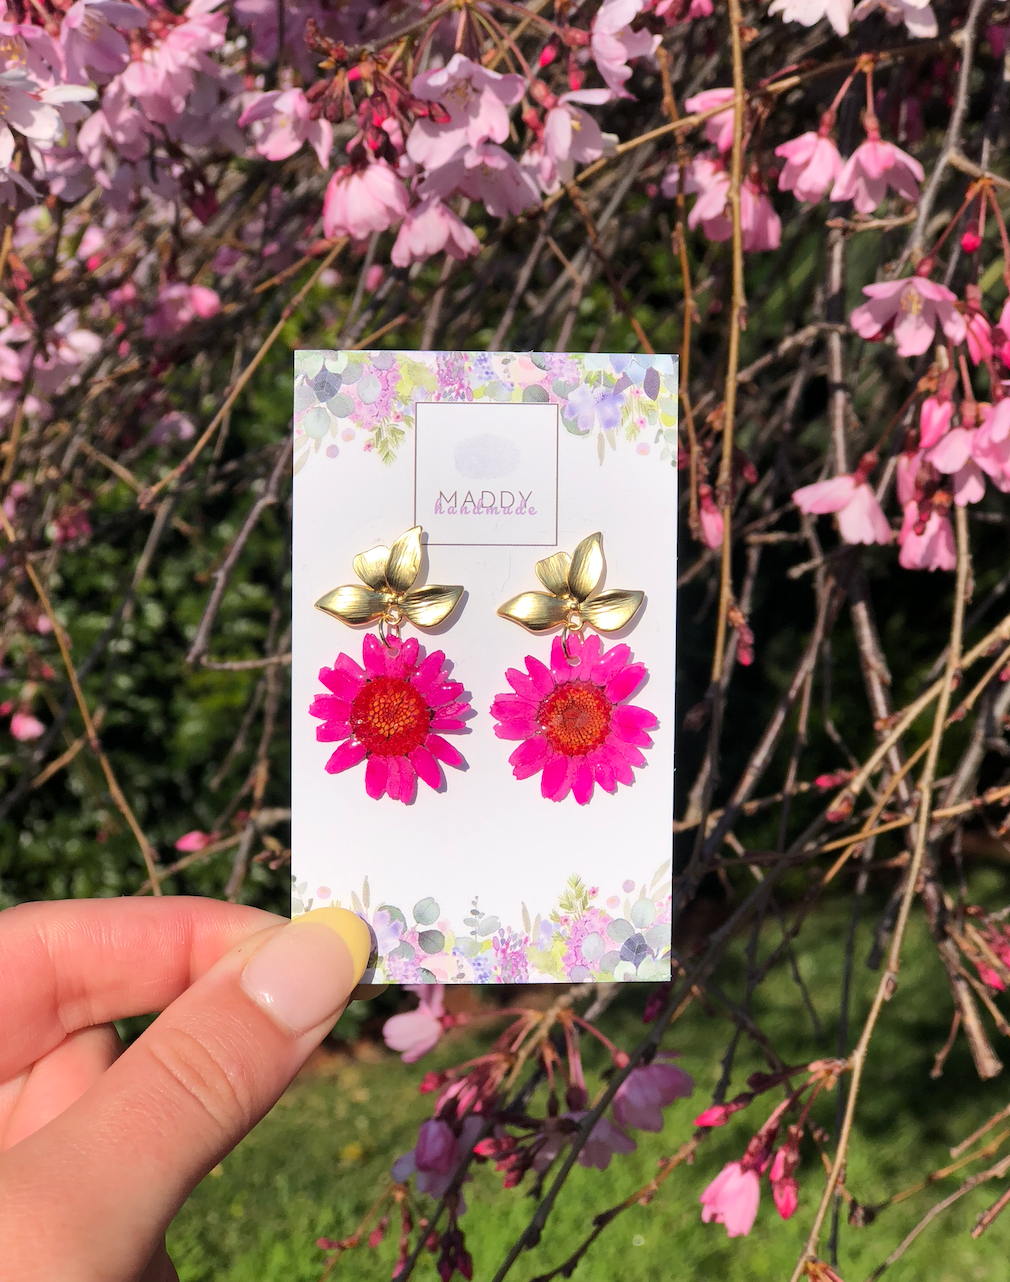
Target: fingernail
[(305, 973)]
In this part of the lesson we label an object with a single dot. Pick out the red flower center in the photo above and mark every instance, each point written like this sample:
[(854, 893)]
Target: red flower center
[(389, 717), (575, 718)]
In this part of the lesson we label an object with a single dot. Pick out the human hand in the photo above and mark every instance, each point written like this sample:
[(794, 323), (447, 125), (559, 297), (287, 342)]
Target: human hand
[(99, 1147)]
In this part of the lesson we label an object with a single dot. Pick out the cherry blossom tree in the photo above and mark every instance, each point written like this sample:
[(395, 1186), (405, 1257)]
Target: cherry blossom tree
[(806, 201)]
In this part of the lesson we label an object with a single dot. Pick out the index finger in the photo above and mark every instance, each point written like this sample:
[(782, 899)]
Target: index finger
[(71, 964)]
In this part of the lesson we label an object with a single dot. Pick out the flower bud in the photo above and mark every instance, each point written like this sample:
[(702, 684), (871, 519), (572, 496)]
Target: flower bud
[(971, 240)]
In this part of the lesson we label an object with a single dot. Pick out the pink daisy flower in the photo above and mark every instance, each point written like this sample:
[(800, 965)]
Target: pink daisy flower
[(388, 713), (573, 719)]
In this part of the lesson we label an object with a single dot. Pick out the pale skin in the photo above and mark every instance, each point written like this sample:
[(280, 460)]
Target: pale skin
[(99, 1147)]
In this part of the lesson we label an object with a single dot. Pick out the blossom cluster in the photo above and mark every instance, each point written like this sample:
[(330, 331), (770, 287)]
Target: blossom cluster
[(117, 106), (166, 164), (474, 1119), (125, 126), (122, 123)]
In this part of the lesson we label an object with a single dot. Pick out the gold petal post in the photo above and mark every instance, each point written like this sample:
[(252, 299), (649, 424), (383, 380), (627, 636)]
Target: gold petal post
[(568, 602), (389, 596)]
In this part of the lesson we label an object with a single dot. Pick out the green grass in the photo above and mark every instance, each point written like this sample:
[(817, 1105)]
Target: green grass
[(315, 1164)]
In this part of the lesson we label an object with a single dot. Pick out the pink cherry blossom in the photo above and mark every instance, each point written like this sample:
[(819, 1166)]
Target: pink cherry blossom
[(89, 250), (908, 482), (179, 305), (261, 18), (996, 420), (362, 200), (719, 1114), (160, 83), (934, 420), (429, 228), (25, 727), (92, 45), (933, 549), (760, 225), (673, 10), (10, 364), (860, 517), (122, 124), (605, 1139), (785, 1189), (812, 165), (436, 1149), (807, 12), (287, 123), (953, 456), (871, 169), (68, 345), (732, 1199), (13, 500), (997, 939), (8, 174), (34, 49), (969, 455), (710, 517), (707, 178), (917, 15), (786, 1195), (978, 335), (1001, 340), (488, 174), (30, 109), (477, 100), (195, 840), (571, 136), (415, 1032), (436, 1155), (614, 44), (172, 426), (164, 76), (201, 29), (718, 128), (433, 1159), (911, 308), (646, 1091)]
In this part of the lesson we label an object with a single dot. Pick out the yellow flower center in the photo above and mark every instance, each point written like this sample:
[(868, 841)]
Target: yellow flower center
[(462, 93), (911, 300)]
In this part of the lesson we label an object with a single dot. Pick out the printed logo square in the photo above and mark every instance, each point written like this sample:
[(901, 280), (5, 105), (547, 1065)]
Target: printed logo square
[(486, 474)]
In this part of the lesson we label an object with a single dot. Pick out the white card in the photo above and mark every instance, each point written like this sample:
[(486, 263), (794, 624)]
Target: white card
[(502, 459)]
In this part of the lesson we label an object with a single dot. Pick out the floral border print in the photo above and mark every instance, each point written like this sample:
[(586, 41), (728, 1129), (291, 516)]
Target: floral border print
[(624, 936), (365, 400)]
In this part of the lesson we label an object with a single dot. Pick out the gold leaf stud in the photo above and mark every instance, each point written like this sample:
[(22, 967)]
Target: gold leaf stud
[(570, 582), (389, 595)]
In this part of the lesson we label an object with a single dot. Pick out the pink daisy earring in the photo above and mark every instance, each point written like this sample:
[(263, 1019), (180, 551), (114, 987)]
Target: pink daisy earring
[(576, 726), (391, 710)]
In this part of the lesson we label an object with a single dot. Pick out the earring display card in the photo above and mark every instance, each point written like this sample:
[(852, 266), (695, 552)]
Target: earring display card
[(532, 845)]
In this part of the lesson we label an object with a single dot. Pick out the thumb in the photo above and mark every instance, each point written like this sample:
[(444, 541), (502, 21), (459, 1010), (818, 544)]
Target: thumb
[(91, 1194)]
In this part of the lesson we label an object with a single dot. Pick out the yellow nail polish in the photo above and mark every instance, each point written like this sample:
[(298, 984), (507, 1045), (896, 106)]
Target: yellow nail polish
[(351, 929)]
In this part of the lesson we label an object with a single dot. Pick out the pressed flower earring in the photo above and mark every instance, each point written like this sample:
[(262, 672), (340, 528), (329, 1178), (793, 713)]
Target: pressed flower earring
[(572, 717), (389, 710)]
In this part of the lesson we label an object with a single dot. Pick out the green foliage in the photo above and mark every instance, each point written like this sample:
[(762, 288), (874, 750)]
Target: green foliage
[(575, 898), (320, 1159), (167, 727)]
